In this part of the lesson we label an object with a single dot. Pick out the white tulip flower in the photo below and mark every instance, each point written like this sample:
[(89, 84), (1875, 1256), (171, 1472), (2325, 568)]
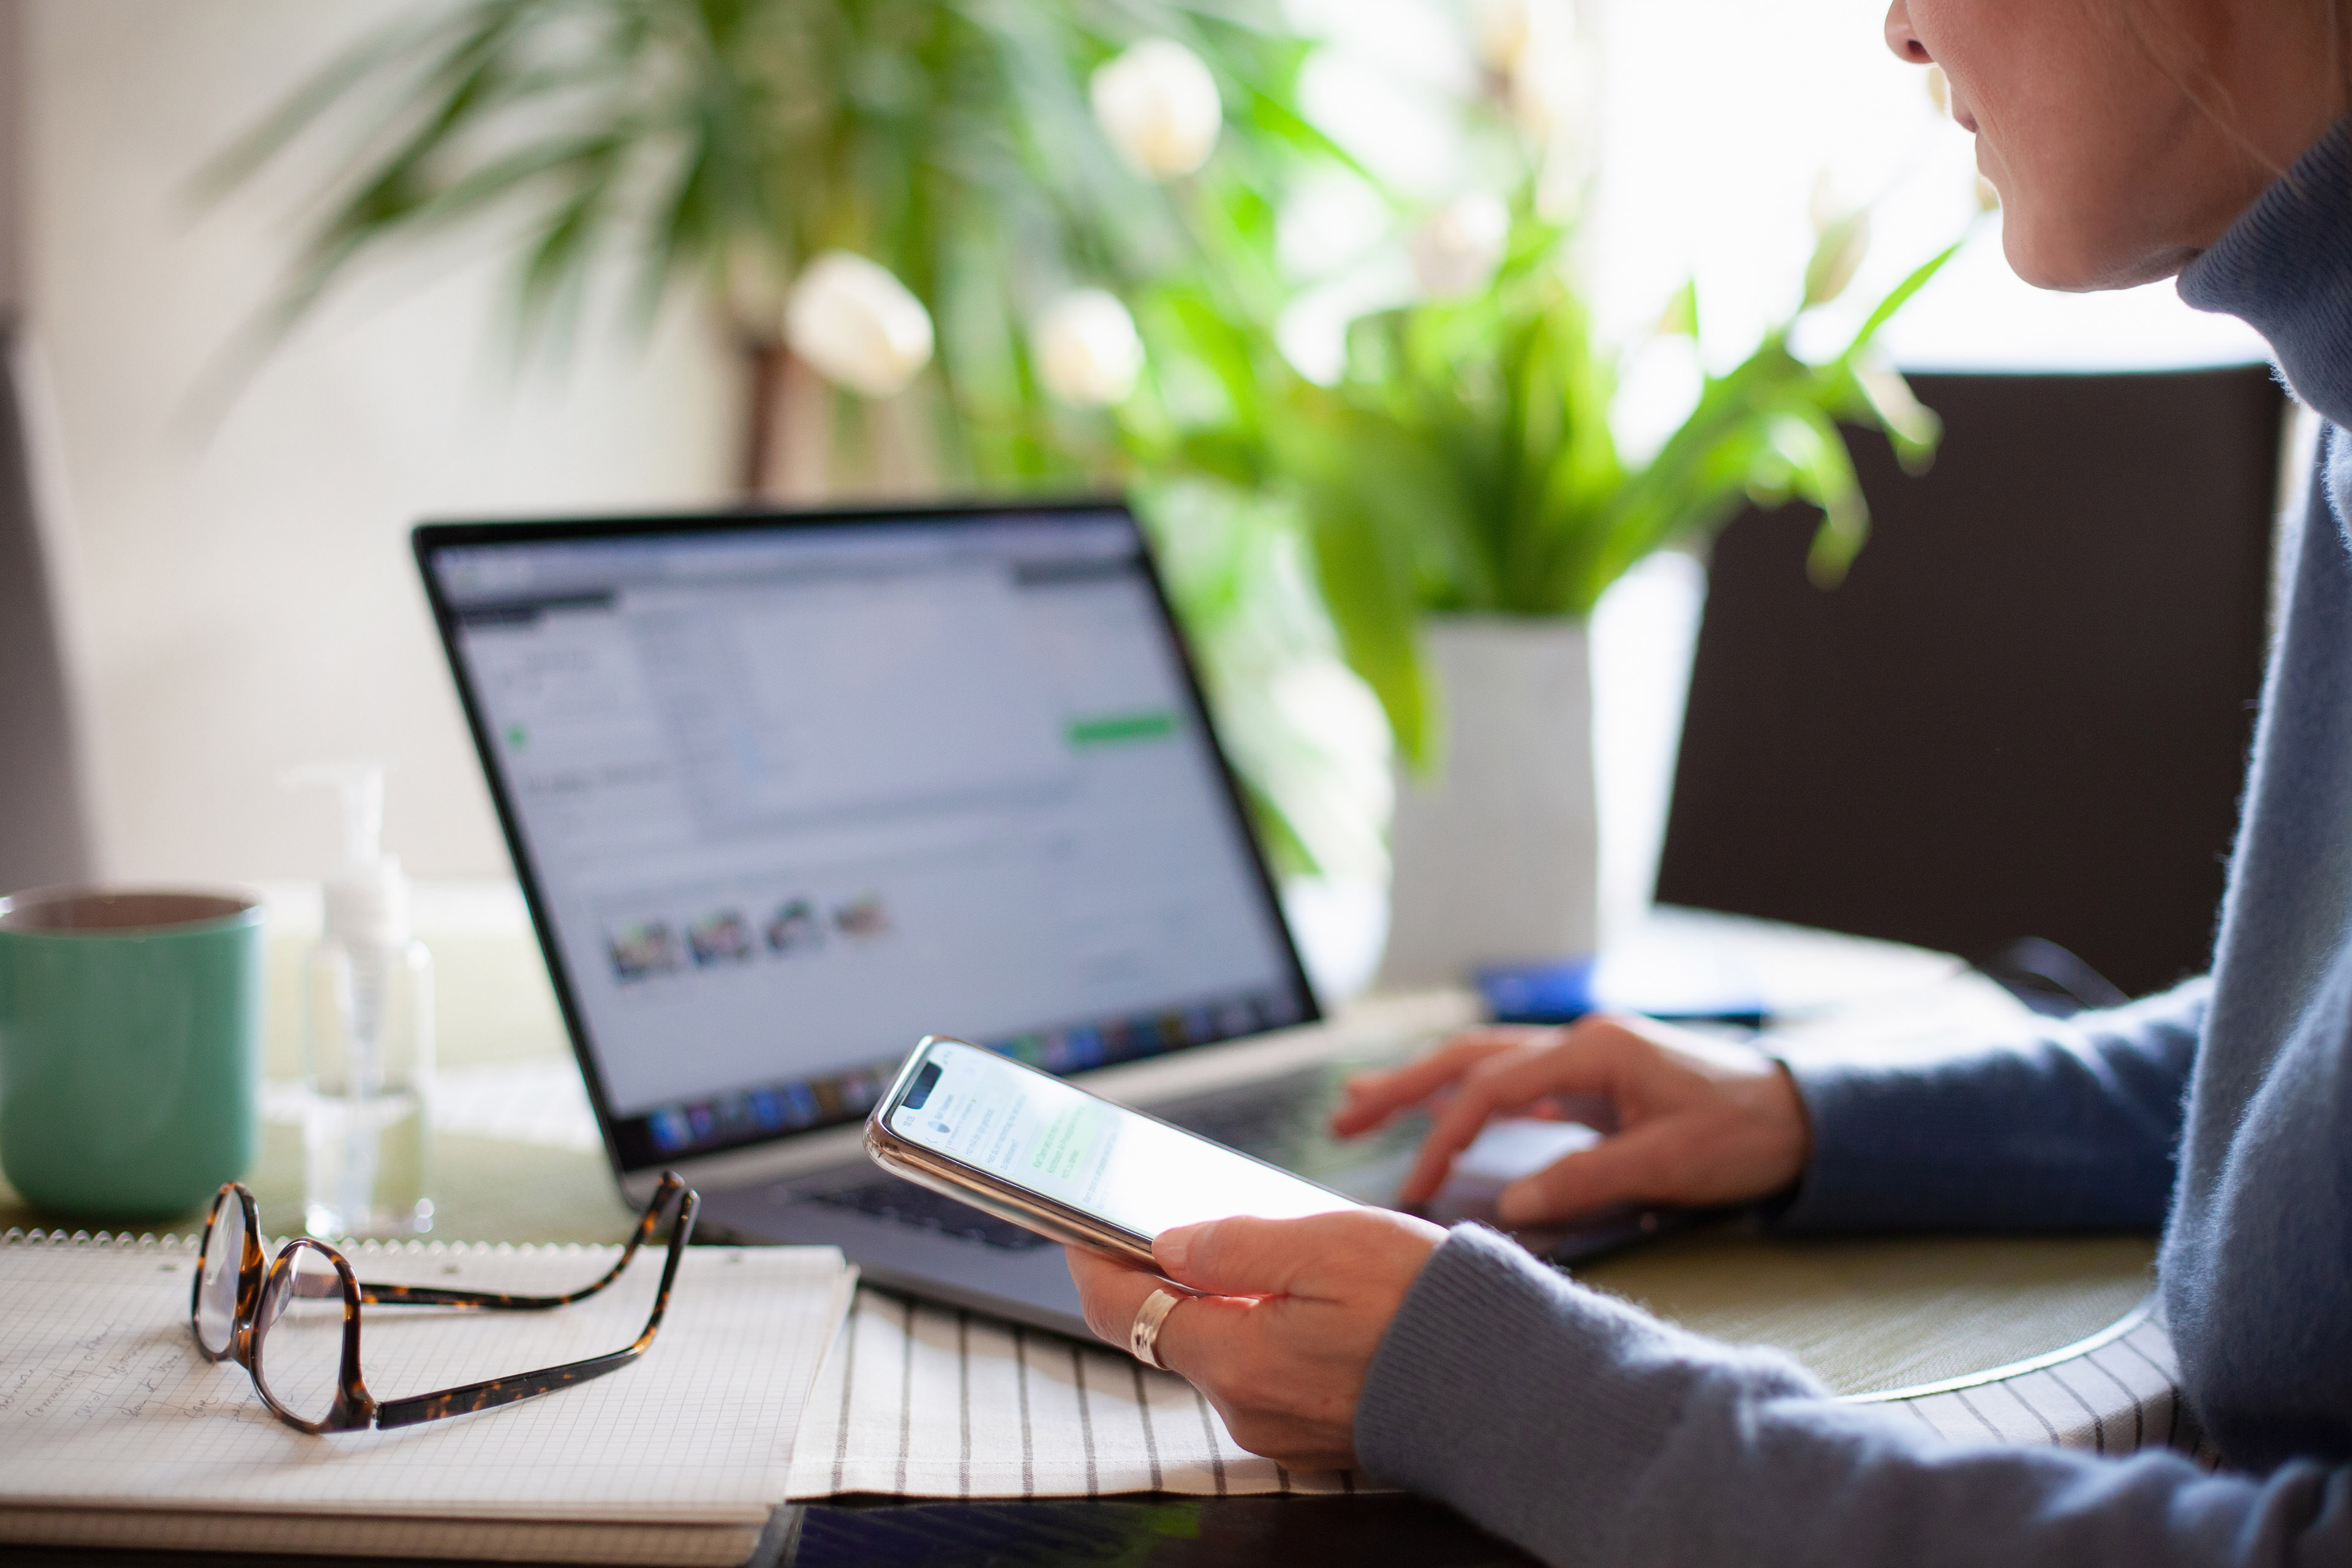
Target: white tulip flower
[(857, 324), (1158, 106), (1087, 352), (1541, 100), (1499, 33), (1457, 248), (1837, 256)]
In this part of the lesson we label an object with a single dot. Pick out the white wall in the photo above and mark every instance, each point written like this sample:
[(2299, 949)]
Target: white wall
[(242, 596), (1718, 116), (13, 118)]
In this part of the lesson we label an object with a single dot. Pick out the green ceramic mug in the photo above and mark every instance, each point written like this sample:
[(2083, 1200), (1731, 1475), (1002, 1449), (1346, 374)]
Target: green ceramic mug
[(130, 1047)]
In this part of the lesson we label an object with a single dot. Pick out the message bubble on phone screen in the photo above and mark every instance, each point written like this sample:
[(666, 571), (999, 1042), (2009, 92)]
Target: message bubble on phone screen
[(1064, 1143)]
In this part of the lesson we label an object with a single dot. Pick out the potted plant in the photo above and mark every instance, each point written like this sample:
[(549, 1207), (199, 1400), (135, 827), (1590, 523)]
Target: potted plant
[(910, 217), (972, 246), (1466, 504), (914, 222)]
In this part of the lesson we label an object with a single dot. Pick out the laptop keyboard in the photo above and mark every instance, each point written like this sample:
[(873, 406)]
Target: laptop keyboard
[(1282, 1120), (891, 1198)]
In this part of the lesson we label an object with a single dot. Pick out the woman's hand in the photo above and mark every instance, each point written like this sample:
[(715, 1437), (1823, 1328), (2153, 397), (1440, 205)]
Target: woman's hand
[(1689, 1121), (1291, 1313)]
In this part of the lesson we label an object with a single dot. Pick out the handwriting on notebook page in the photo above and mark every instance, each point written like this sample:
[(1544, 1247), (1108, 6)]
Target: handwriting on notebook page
[(103, 1395)]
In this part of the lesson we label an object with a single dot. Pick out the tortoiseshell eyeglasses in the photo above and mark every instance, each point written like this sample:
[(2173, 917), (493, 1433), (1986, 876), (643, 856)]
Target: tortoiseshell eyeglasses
[(295, 1325)]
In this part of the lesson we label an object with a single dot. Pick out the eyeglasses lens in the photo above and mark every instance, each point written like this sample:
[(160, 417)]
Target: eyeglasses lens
[(216, 1290), (298, 1352)]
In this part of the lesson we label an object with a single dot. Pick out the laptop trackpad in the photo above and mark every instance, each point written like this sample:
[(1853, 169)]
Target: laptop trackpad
[(1505, 1149)]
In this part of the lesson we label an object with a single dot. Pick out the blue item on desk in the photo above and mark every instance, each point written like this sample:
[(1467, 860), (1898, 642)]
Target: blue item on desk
[(1564, 990)]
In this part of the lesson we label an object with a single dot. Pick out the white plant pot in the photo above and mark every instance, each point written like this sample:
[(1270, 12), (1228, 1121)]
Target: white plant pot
[(1497, 856)]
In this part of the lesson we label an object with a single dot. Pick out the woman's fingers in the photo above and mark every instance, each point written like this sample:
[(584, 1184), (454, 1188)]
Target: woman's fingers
[(1313, 1258), (1582, 1063), (1109, 1292), (1316, 1257), (1203, 1337), (1284, 1356), (1239, 1256), (1373, 1098), (1638, 1166), (1714, 1126)]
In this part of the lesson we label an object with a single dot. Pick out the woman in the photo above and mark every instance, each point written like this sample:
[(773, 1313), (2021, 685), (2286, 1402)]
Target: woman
[(2130, 139)]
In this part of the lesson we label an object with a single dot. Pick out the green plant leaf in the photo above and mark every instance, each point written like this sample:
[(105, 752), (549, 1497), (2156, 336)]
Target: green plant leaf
[(1369, 590), (1900, 296)]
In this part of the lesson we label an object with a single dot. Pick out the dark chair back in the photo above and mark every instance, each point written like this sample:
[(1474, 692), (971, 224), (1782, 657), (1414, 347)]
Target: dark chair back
[(2026, 712), (44, 831)]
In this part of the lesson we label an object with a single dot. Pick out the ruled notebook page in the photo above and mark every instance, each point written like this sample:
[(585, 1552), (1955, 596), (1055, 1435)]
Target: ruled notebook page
[(104, 1398)]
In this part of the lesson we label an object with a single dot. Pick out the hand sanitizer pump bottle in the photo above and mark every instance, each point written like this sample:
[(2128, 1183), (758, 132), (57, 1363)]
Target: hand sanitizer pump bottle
[(367, 1029)]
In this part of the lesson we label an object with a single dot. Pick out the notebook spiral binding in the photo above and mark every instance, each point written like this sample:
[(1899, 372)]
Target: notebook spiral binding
[(148, 1241), (17, 1236)]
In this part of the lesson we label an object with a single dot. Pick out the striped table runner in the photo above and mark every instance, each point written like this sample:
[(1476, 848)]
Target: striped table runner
[(2116, 1393), (919, 1400)]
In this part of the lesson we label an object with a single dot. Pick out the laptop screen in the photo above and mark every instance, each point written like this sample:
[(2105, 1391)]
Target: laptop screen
[(786, 796)]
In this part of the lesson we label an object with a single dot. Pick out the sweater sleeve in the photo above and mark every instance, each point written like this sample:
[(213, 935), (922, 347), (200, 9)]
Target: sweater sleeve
[(1592, 1435), (2074, 1129)]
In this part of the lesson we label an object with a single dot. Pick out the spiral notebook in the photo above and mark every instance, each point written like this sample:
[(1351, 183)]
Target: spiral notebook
[(115, 1432)]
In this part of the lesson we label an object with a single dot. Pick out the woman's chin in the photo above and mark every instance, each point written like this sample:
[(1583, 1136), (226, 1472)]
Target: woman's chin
[(2046, 257)]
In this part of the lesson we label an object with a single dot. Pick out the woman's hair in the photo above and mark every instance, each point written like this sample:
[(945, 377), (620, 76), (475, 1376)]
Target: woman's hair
[(2180, 56), (2339, 37), (2339, 44)]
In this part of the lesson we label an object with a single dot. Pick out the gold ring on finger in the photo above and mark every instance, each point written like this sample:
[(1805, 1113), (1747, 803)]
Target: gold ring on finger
[(1143, 1334)]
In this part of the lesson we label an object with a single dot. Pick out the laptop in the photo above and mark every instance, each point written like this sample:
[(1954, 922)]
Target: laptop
[(787, 792)]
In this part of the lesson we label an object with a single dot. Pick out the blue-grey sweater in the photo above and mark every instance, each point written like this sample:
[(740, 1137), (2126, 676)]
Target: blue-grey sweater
[(1596, 1436)]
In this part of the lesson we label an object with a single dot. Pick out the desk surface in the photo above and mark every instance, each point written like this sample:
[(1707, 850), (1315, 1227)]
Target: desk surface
[(1370, 1531), (1866, 1315)]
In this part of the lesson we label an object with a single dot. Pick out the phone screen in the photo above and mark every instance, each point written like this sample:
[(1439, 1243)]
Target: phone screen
[(1062, 1143)]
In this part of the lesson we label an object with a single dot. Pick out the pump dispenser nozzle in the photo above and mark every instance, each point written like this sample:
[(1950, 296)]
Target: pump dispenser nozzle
[(366, 895), (361, 784)]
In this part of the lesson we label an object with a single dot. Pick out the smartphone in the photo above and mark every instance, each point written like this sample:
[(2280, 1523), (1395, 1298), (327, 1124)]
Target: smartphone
[(1067, 1164)]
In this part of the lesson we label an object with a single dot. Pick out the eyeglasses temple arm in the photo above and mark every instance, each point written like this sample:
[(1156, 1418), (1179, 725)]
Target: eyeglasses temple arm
[(495, 1301), (506, 1390), (499, 1390), (485, 1300)]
